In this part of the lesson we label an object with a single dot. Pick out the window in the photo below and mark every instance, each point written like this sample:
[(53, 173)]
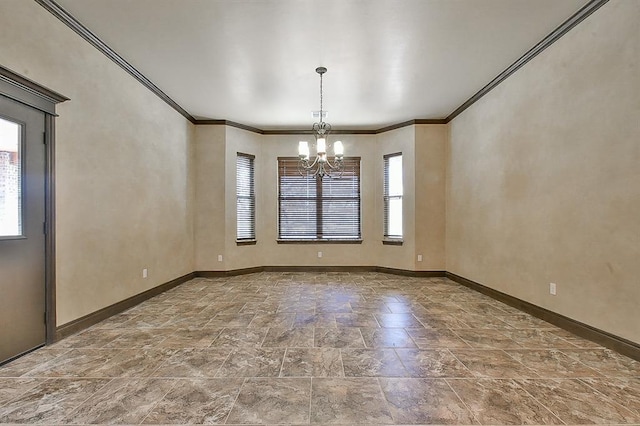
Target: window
[(246, 198), (393, 196), (318, 209), (10, 179)]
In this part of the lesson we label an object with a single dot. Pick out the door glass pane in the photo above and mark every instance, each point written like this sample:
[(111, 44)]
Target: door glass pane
[(10, 179)]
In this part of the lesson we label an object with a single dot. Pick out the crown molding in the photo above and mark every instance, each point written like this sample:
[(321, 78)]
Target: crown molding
[(309, 132), (207, 122), (564, 28), (84, 32), (64, 16)]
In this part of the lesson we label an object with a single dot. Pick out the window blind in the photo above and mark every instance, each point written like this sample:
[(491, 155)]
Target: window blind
[(246, 198), (314, 208), (392, 192)]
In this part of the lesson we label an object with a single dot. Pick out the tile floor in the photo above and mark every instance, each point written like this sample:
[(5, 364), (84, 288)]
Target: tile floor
[(333, 348)]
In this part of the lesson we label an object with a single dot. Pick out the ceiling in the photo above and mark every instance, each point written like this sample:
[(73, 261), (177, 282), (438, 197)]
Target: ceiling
[(254, 61)]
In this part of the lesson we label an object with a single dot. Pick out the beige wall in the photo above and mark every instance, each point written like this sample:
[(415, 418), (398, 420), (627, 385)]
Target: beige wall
[(123, 161), (544, 177), (214, 237), (430, 176), (210, 168)]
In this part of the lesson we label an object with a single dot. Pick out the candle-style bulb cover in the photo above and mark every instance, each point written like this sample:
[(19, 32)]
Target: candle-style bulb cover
[(338, 149), (321, 145)]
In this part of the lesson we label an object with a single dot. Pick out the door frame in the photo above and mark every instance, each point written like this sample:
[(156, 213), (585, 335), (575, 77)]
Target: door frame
[(34, 95)]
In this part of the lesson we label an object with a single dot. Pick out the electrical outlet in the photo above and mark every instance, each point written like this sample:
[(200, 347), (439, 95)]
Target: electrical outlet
[(145, 273), (419, 258), (219, 258), (552, 288), (319, 254)]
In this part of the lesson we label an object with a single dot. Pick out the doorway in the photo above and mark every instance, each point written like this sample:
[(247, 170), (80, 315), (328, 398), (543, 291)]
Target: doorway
[(22, 229), (27, 214)]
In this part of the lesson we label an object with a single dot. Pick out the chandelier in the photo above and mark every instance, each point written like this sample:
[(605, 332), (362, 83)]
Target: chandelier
[(321, 165)]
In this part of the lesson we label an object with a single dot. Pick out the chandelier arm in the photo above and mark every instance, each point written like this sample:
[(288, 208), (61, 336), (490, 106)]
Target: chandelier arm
[(305, 166), (311, 165), (337, 166)]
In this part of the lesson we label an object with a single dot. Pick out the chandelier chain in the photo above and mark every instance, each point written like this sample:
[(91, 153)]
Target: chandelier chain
[(321, 98)]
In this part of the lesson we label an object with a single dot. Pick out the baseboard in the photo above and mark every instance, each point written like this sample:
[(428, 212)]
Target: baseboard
[(104, 313), (317, 268), (608, 340), (408, 273), (229, 273)]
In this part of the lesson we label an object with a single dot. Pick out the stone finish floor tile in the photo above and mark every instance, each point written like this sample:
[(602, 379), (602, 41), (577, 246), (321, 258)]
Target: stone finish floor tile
[(11, 388), (193, 363), (142, 338), (432, 363), (231, 320), (577, 341), (551, 363), (537, 338), (31, 361), (272, 401), (356, 320), (322, 348), (348, 401), (50, 400), (499, 402), (424, 401), (281, 320), (312, 362), (191, 338), (235, 338), (121, 401), (338, 338), (315, 320), (625, 390), (75, 363), (493, 363), (289, 338), (197, 401), (258, 362), (607, 362), (387, 338), (381, 362), (574, 402), (443, 338), (487, 338), (406, 320)]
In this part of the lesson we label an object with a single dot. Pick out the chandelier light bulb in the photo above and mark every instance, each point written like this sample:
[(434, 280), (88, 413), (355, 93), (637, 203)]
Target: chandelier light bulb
[(303, 150), (321, 145), (338, 149)]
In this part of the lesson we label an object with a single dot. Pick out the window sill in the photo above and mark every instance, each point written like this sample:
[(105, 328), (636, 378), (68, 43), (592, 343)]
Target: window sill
[(320, 241), (391, 242), (246, 242)]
